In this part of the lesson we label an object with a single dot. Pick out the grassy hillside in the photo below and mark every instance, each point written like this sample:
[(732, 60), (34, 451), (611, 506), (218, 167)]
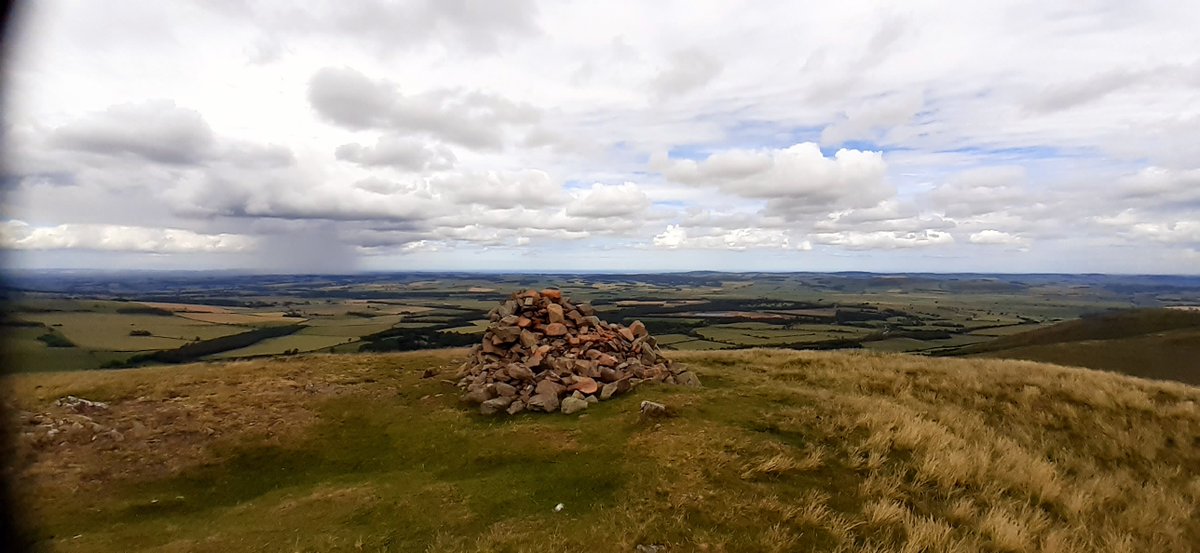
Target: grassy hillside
[(1148, 343), (780, 451)]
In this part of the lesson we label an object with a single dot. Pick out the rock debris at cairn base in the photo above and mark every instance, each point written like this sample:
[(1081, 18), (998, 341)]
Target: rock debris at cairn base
[(542, 353)]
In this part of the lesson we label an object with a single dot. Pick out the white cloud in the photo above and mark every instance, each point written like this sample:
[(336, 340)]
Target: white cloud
[(464, 128), (673, 237), (607, 200), (501, 189), (883, 240), (992, 237), (797, 179), (19, 235), (677, 237), (687, 70)]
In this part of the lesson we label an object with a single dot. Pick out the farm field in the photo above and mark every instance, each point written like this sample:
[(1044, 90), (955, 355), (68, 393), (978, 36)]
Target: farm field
[(89, 321)]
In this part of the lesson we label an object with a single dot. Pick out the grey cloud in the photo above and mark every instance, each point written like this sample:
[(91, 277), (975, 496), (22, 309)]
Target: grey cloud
[(473, 119), (348, 98), (156, 131), (1070, 94), (688, 70), (389, 26), (1162, 188), (400, 153), (501, 189), (316, 248), (266, 49), (249, 155), (982, 190)]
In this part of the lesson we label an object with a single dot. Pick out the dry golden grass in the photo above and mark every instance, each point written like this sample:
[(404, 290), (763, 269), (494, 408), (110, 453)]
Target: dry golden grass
[(780, 451)]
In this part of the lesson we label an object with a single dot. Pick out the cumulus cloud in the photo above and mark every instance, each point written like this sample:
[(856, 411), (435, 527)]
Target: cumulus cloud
[(19, 235), (606, 200), (1138, 226), (992, 237), (400, 153), (501, 189), (157, 131), (795, 180), (443, 129), (473, 119), (981, 190), (883, 240), (1173, 188), (677, 237), (888, 215)]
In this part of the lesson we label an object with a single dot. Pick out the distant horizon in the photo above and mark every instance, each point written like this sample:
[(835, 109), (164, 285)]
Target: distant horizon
[(251, 272)]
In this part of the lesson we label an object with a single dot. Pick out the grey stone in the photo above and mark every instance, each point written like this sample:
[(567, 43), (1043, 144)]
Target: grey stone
[(652, 409), (505, 390), (528, 339), (550, 387), (608, 390), (494, 405), (544, 402), (687, 378), (572, 405), (477, 394)]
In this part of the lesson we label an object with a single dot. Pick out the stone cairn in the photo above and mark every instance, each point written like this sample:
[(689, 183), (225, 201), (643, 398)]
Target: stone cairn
[(543, 353)]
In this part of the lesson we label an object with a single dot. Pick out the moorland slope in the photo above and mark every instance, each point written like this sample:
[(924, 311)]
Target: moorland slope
[(1148, 343), (779, 451)]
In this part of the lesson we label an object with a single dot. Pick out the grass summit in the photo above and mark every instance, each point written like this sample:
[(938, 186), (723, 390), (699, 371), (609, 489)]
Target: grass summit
[(779, 451)]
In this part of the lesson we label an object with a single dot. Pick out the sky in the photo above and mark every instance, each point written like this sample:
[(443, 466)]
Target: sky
[(516, 135)]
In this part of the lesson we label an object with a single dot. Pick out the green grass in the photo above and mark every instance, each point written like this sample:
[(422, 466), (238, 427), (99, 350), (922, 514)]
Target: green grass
[(110, 331), (350, 326), (698, 345), (779, 451)]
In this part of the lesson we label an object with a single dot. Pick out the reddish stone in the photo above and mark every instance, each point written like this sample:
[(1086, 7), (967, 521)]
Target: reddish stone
[(556, 329), (584, 385), (555, 313), (524, 322), (638, 328), (626, 334), (551, 294)]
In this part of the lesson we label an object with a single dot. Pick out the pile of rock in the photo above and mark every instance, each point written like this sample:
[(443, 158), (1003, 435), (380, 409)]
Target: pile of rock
[(543, 353)]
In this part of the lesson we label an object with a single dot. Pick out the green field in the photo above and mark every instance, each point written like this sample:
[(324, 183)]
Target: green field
[(110, 331), (928, 314)]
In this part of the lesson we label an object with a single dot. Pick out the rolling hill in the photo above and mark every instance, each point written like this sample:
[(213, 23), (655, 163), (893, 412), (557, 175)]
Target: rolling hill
[(1148, 343), (779, 451)]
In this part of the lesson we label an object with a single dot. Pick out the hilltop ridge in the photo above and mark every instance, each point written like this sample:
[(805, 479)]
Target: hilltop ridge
[(779, 451), (1149, 343)]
